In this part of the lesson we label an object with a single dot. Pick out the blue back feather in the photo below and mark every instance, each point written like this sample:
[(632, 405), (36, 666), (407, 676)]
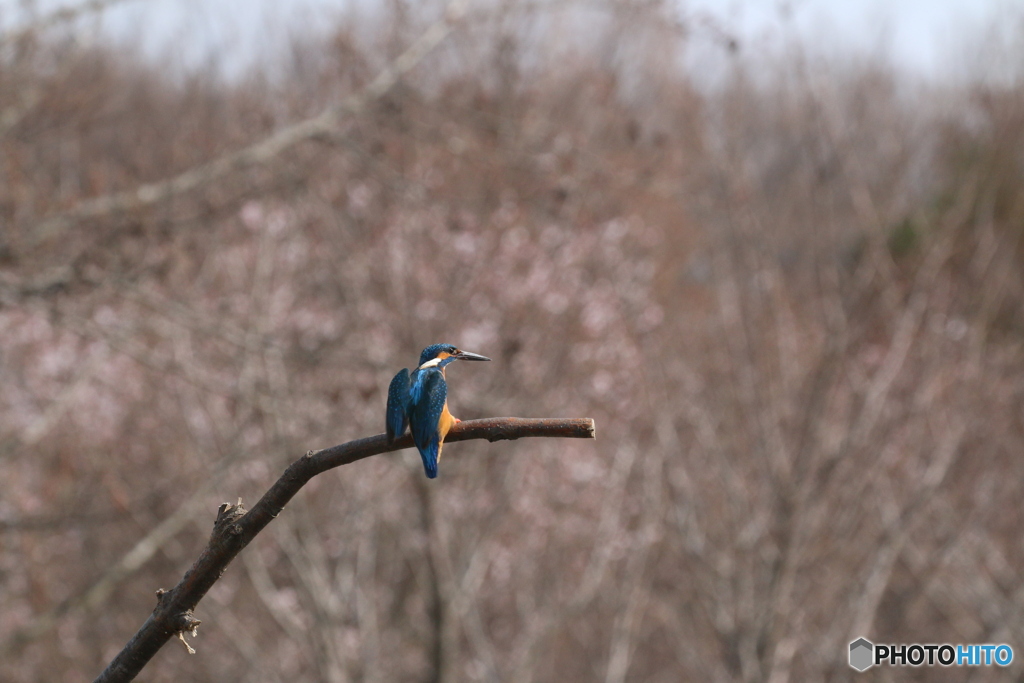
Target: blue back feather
[(427, 395), (398, 406)]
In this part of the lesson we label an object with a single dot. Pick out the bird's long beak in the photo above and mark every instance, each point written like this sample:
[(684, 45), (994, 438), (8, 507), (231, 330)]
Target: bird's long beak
[(466, 355)]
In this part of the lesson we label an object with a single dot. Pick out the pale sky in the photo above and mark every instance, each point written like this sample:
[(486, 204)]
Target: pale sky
[(923, 36)]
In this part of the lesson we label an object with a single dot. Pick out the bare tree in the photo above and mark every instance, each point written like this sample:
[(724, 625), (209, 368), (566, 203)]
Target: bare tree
[(790, 293)]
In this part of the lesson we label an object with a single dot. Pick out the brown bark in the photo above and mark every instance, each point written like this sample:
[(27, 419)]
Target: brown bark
[(235, 526)]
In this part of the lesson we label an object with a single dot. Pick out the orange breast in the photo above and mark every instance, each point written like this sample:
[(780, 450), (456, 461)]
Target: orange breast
[(446, 422)]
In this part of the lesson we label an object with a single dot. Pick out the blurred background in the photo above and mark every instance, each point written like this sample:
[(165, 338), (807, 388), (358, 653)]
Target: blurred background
[(774, 249)]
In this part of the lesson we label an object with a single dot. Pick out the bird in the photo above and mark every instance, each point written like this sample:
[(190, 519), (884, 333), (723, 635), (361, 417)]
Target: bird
[(419, 401)]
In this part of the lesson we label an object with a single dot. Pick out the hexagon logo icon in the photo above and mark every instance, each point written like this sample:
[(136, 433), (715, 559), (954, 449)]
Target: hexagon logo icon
[(862, 653)]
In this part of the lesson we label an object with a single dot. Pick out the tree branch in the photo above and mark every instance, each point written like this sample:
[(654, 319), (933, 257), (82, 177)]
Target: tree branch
[(235, 527), (265, 150)]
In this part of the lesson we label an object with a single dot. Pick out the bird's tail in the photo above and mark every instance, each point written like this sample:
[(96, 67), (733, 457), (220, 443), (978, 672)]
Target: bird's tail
[(431, 455)]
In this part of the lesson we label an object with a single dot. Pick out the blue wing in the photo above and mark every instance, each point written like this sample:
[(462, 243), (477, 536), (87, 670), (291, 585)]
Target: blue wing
[(426, 402), (398, 406)]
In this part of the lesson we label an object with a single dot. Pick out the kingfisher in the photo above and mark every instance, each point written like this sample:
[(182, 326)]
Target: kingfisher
[(420, 401)]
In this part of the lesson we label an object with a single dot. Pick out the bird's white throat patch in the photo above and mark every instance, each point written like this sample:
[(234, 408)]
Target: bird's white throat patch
[(434, 362)]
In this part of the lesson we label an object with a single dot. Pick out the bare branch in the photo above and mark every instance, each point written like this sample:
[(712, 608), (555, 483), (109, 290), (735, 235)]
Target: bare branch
[(236, 527), (265, 150)]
